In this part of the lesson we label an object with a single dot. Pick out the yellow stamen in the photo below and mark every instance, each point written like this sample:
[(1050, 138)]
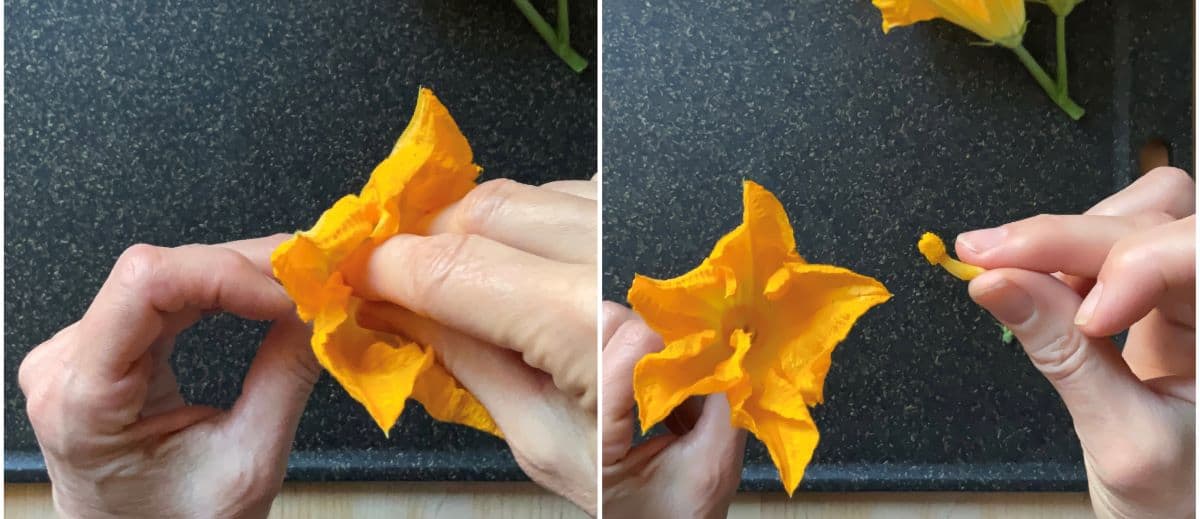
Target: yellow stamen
[(935, 251)]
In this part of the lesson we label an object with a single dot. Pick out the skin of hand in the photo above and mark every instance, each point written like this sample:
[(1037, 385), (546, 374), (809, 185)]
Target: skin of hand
[(1064, 285), (694, 470), (117, 436), (504, 288)]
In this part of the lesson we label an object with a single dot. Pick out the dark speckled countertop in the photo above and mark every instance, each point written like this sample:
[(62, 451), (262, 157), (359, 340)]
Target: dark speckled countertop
[(869, 140), (177, 122)]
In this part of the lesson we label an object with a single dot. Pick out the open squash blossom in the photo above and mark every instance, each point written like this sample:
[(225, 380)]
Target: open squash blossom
[(999, 21), (429, 168), (756, 322), (934, 250)]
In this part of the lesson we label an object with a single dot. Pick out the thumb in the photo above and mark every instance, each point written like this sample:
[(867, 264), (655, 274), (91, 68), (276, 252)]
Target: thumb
[(716, 439), (1089, 374), (275, 391)]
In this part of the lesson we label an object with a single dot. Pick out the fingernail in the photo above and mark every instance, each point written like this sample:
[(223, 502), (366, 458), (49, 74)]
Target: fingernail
[(982, 240), (1007, 301), (1088, 307)]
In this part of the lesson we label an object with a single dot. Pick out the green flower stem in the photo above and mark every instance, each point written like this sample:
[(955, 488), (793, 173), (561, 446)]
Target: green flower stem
[(558, 42), (564, 22), (1060, 27), (1073, 110)]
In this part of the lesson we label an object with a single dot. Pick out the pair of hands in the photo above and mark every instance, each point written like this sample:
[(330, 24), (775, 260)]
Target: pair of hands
[(506, 281), (1064, 285)]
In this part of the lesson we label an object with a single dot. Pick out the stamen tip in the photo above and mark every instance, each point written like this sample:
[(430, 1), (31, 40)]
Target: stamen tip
[(933, 248)]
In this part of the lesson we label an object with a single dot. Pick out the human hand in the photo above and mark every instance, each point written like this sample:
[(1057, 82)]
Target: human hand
[(1133, 256), (693, 471), (504, 289), (117, 436)]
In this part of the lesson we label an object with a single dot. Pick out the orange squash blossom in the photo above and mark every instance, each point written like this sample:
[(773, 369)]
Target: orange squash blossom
[(934, 250), (429, 168), (756, 322), (999, 21)]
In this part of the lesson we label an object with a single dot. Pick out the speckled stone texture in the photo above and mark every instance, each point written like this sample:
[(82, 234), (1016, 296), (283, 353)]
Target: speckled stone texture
[(870, 140), (177, 122)]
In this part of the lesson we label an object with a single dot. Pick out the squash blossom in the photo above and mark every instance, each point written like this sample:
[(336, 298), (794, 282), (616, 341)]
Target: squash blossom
[(429, 168), (1000, 22), (756, 322), (934, 250)]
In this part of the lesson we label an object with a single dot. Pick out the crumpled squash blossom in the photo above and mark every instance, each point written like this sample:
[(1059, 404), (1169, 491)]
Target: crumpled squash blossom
[(429, 168), (756, 322)]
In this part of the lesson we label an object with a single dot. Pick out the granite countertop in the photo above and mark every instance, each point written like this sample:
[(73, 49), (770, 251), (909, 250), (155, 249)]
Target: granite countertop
[(177, 122), (869, 140)]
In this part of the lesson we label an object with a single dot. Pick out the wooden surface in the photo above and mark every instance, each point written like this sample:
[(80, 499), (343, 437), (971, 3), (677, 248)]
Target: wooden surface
[(519, 500)]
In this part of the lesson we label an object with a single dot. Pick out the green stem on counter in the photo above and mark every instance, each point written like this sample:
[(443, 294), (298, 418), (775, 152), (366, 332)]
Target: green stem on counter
[(564, 22), (557, 41), (1073, 110), (1060, 28)]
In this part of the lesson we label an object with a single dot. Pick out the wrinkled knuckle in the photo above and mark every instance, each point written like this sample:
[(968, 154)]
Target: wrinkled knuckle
[(712, 483), (249, 485), (439, 258), (482, 205), (225, 260), (137, 267), (38, 409), (540, 463), (30, 370), (635, 333), (35, 379), (1061, 359), (587, 398)]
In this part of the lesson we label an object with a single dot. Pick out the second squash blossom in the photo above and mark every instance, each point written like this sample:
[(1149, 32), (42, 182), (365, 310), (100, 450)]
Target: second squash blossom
[(756, 322), (1000, 22)]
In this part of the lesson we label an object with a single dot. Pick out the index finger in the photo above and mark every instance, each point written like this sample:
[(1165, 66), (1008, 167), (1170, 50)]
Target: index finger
[(150, 284), (258, 250), (1166, 190)]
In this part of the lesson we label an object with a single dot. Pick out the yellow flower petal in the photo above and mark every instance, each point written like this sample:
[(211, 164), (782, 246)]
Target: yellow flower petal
[(678, 307), (429, 168), (695, 365), (997, 21), (898, 13), (789, 441), (761, 327), (376, 370), (764, 239), (446, 400), (825, 301)]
